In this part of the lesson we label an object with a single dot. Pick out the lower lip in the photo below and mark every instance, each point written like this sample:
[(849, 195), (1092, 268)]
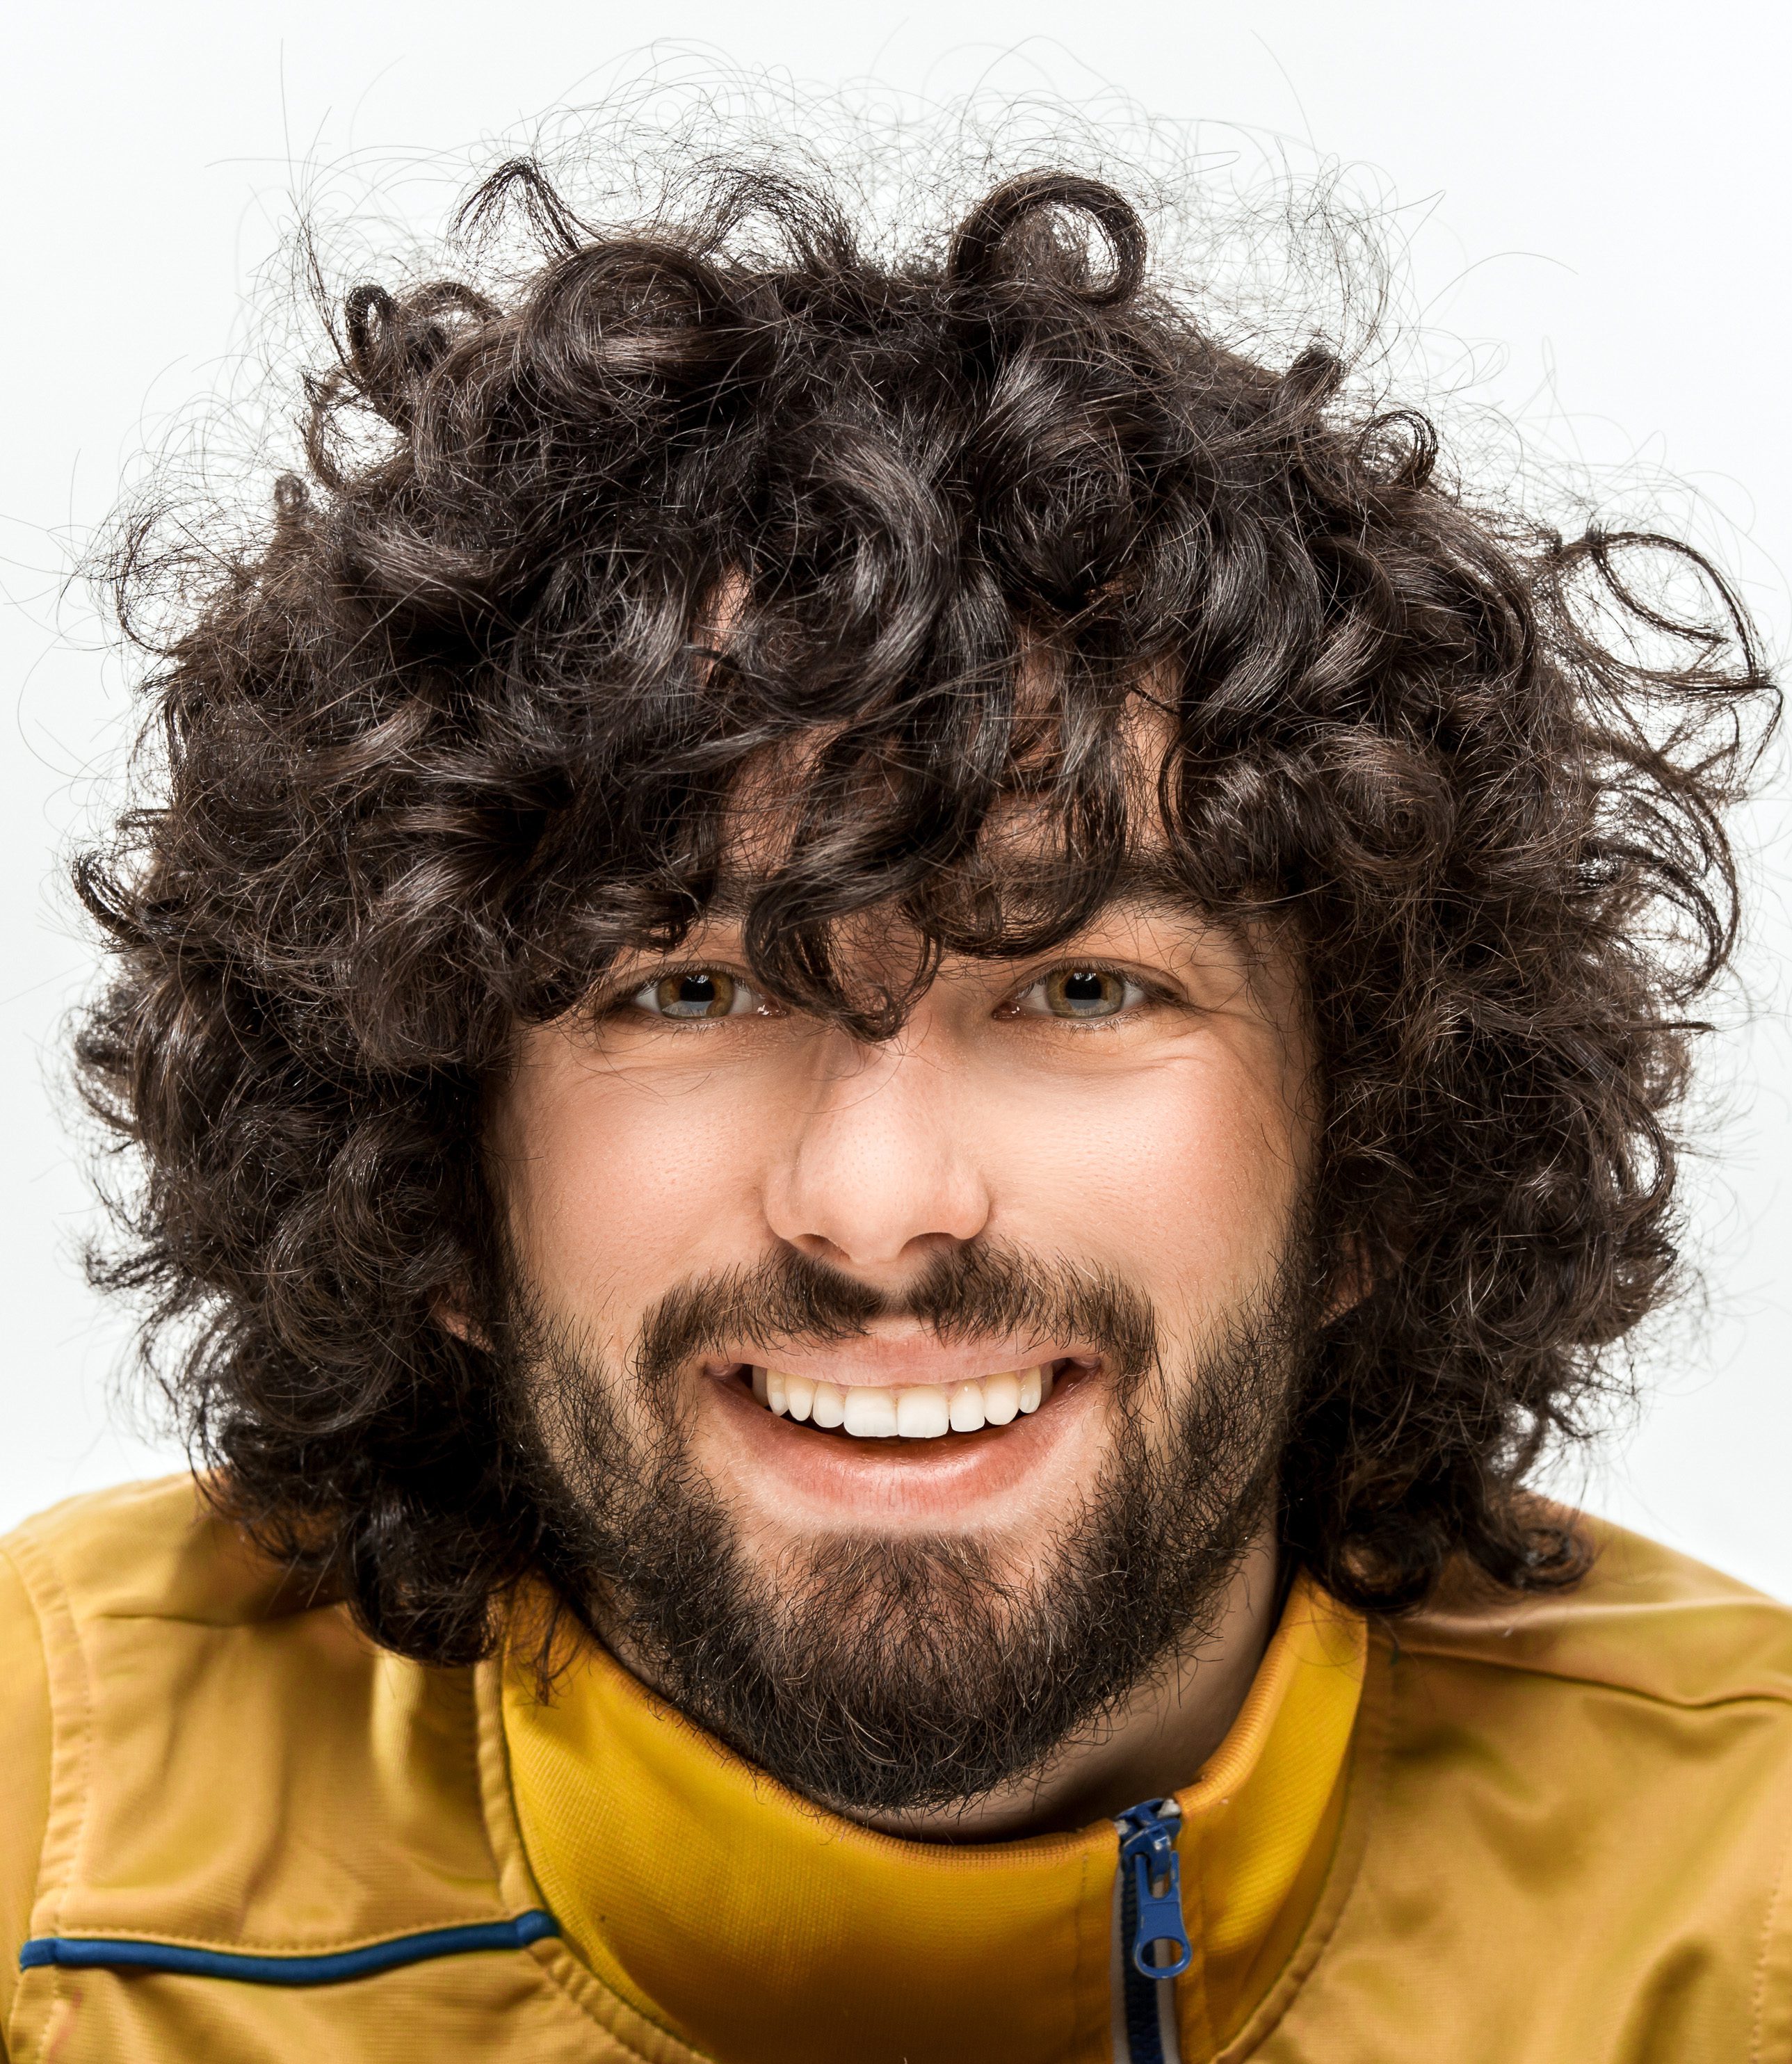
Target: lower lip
[(841, 1478)]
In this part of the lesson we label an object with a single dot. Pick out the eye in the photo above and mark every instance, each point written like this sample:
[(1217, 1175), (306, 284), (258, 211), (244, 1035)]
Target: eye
[(699, 993), (1081, 993)]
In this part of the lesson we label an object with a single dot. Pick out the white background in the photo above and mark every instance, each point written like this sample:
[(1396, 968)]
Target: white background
[(1601, 189)]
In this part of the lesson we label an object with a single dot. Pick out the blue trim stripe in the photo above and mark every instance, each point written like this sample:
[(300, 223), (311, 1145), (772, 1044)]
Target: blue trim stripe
[(87, 1953)]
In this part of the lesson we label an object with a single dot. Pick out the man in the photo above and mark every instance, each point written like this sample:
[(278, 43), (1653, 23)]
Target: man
[(896, 1041)]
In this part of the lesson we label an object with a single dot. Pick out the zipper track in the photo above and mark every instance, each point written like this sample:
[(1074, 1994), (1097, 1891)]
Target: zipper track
[(1151, 1938), (1139, 1994)]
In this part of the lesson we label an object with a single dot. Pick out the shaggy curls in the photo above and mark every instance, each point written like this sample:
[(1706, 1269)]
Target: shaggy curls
[(452, 734)]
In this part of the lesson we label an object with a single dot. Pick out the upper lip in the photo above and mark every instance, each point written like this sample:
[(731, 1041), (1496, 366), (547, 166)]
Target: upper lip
[(872, 1361)]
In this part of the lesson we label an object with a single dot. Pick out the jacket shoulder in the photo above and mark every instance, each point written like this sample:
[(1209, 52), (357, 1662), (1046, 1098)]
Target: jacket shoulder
[(155, 1551), (25, 1758), (200, 1712), (1645, 1620), (1598, 1782), (220, 1778)]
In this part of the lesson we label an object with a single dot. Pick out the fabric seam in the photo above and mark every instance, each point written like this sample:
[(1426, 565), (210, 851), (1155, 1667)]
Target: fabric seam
[(1759, 1695), (1770, 1930), (64, 1843), (572, 1977), (1362, 1779), (504, 1834)]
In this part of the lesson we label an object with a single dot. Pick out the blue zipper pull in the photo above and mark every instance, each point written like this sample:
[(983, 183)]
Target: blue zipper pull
[(1148, 1850)]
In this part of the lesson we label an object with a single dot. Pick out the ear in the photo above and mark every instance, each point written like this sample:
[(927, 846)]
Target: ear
[(448, 1310), (1350, 1281)]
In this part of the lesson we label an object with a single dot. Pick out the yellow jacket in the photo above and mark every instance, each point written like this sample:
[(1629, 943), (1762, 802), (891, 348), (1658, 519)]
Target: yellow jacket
[(1543, 1833)]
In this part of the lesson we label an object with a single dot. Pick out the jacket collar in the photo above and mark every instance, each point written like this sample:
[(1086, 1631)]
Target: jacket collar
[(760, 1930)]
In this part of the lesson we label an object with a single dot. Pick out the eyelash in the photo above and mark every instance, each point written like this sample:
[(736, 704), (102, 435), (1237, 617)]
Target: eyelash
[(1149, 993), (620, 1000)]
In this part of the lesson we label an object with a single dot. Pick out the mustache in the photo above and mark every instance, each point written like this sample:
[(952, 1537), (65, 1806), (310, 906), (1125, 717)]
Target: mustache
[(979, 1288)]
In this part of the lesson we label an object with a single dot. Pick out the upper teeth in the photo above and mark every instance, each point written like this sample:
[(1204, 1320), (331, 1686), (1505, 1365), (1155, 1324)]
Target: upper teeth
[(916, 1412)]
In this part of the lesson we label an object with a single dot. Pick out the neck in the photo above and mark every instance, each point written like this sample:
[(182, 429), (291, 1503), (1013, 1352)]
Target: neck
[(1150, 1744)]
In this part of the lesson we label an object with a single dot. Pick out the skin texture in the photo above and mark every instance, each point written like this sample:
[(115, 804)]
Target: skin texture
[(1169, 1141)]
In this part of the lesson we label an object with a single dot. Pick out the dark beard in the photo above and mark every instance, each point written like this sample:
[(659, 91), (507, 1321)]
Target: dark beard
[(881, 1676)]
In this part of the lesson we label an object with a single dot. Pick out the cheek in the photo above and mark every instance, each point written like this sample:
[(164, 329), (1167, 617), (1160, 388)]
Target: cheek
[(1183, 1178), (620, 1187)]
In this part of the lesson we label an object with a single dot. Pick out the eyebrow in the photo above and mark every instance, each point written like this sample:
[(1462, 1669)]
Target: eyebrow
[(1144, 882)]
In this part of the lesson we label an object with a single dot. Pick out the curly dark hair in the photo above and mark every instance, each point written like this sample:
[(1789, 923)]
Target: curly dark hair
[(452, 734)]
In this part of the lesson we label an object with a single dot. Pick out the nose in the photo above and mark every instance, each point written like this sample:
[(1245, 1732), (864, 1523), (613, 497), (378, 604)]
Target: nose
[(880, 1173)]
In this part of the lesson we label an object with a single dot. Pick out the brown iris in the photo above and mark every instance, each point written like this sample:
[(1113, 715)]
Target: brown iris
[(1084, 992), (701, 993)]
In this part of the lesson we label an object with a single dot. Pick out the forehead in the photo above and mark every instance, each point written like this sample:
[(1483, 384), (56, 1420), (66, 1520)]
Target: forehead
[(1018, 882), (858, 857), (1032, 817)]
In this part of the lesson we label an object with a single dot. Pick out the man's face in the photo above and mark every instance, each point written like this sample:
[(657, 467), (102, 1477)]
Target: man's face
[(1066, 1200)]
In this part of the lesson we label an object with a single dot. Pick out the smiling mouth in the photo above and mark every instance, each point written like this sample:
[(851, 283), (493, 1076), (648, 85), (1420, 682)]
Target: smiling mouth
[(910, 1412)]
